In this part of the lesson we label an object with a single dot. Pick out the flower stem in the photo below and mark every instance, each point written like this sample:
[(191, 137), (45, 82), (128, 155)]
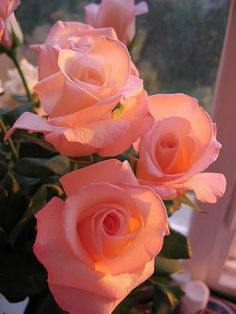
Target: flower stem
[(12, 146), (13, 55)]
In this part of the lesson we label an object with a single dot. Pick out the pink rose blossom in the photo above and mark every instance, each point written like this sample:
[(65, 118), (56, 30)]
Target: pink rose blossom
[(100, 243), (84, 74), (8, 22), (119, 14), (181, 144)]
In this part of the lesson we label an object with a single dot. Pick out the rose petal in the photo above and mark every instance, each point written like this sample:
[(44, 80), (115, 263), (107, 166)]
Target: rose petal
[(47, 60), (78, 301), (32, 122), (61, 97), (98, 134), (163, 106), (110, 51), (208, 187), (135, 111), (117, 14), (77, 275), (118, 173), (148, 242)]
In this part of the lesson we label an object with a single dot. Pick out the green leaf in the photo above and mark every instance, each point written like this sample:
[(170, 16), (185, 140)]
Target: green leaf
[(11, 183), (165, 266), (41, 142), (166, 298), (42, 168), (125, 306), (3, 111), (176, 246), (4, 244), (3, 169), (58, 165), (80, 162), (3, 203), (13, 202), (21, 275), (32, 167), (29, 148), (12, 115), (44, 304), (15, 208), (39, 200)]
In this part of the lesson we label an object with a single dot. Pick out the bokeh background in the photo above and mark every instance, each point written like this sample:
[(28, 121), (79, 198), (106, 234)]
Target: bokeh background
[(178, 43)]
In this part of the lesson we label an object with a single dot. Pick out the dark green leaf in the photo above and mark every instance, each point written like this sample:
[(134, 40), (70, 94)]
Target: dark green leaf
[(166, 298), (16, 206), (11, 116), (3, 111), (41, 142), (3, 203), (4, 244), (32, 167), (11, 184), (176, 246), (37, 202), (28, 185), (58, 165), (165, 266), (125, 306), (42, 168), (43, 305), (29, 148), (3, 169), (21, 275), (13, 202)]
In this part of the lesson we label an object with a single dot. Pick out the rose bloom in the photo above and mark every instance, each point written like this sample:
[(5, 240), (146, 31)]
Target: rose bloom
[(100, 243), (181, 143), (119, 14), (91, 92), (8, 22)]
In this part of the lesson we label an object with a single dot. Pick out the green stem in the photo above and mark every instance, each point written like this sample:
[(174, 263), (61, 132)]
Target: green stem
[(12, 54), (12, 146)]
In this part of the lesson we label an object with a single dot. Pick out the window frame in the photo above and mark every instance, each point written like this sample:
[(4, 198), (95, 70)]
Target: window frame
[(211, 234)]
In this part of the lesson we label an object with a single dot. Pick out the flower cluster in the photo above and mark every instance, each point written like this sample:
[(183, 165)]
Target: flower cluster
[(100, 242)]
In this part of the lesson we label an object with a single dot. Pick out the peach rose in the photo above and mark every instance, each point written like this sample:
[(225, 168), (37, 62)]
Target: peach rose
[(91, 92), (66, 35), (8, 22), (181, 143), (100, 243), (119, 14)]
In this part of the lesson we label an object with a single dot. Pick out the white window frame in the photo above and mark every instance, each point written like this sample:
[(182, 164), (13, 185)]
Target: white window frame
[(211, 234)]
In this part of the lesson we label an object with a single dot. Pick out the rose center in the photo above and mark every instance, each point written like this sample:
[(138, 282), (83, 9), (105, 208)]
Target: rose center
[(168, 141), (111, 223), (92, 76)]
